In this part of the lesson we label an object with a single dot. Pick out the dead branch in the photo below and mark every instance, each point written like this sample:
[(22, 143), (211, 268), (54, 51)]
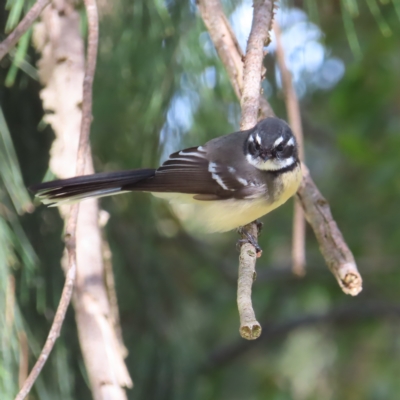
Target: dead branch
[(294, 116), (309, 190), (337, 255), (11, 40)]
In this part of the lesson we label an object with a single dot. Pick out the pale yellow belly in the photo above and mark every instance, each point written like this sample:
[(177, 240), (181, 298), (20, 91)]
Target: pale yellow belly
[(225, 215)]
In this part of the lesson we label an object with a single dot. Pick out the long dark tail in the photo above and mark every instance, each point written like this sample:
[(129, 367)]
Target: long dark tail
[(64, 191)]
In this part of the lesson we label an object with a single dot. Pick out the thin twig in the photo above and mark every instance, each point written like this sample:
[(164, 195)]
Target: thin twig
[(298, 240), (310, 190), (227, 47), (55, 327), (11, 40), (224, 41), (294, 116), (250, 103), (292, 103), (71, 223), (252, 70), (87, 100), (23, 358)]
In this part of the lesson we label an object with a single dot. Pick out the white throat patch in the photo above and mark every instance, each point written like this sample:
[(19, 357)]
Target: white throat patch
[(270, 165)]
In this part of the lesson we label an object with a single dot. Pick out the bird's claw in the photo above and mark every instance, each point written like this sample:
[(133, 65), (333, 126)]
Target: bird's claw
[(249, 238)]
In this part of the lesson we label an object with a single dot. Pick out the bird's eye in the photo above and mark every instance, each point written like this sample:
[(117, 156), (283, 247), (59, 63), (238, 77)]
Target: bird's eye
[(257, 145), (280, 147)]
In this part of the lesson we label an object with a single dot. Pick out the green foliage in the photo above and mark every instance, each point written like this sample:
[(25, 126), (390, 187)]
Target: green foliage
[(9, 169), (15, 7), (15, 250), (18, 58)]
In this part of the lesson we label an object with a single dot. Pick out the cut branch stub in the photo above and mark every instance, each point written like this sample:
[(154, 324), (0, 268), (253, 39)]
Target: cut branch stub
[(250, 328)]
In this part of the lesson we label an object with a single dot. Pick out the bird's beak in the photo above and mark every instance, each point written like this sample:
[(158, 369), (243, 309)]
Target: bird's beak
[(266, 156)]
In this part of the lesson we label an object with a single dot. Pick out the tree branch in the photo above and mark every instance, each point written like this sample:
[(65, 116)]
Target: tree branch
[(250, 103), (250, 328), (23, 357), (224, 41), (246, 81), (7, 44), (56, 325), (294, 116), (252, 70), (87, 100), (228, 48), (337, 255), (308, 189)]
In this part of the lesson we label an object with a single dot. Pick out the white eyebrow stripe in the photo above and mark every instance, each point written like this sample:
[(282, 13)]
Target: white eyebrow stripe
[(251, 138), (278, 141), (290, 142), (258, 139)]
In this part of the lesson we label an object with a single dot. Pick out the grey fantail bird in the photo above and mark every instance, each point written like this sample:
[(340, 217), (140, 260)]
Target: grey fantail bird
[(231, 180)]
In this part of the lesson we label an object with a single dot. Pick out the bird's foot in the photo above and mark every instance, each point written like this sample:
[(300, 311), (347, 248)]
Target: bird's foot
[(249, 238)]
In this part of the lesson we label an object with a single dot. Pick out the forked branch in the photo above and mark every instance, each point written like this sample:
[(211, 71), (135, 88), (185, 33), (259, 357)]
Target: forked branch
[(336, 252)]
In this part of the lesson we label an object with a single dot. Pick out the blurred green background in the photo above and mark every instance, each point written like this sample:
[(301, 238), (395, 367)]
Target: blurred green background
[(159, 87)]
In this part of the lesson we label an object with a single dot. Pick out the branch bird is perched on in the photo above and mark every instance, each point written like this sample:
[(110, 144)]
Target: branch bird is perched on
[(232, 180)]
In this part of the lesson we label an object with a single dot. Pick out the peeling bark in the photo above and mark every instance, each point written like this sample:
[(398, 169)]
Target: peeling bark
[(61, 70)]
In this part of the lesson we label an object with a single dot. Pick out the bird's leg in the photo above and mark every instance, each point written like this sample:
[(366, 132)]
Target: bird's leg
[(247, 237)]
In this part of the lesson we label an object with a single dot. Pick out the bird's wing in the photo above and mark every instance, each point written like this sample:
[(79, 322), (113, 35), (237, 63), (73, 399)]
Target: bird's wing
[(190, 171)]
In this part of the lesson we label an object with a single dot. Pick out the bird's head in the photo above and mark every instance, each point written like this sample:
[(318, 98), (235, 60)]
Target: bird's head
[(271, 145)]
